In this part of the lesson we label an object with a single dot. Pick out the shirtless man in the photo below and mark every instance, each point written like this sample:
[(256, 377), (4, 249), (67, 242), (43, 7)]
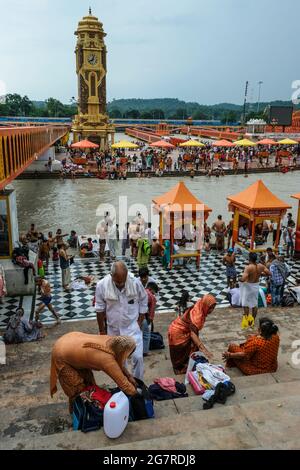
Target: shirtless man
[(229, 262), (230, 231), (46, 299), (219, 228), (249, 284)]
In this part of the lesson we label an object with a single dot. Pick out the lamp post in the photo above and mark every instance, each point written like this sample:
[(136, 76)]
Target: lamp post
[(245, 102), (259, 94)]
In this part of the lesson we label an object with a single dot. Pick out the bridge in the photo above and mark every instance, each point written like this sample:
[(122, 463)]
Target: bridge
[(19, 146)]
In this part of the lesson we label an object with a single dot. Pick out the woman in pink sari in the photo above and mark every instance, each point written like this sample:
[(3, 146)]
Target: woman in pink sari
[(183, 334)]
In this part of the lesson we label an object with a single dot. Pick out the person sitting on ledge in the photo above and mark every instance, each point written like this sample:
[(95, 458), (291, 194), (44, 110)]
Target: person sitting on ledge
[(258, 355)]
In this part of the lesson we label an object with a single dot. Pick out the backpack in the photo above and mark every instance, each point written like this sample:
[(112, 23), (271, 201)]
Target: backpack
[(141, 405), (156, 341), (86, 416)]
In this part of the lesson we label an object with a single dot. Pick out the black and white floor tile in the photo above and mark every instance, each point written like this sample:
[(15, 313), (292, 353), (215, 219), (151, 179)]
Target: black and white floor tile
[(78, 305)]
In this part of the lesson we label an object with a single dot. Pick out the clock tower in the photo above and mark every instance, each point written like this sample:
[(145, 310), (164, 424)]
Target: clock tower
[(92, 121)]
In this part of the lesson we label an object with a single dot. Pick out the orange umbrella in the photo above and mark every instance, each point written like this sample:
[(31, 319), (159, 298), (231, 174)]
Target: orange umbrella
[(163, 144), (223, 143), (266, 142), (85, 144)]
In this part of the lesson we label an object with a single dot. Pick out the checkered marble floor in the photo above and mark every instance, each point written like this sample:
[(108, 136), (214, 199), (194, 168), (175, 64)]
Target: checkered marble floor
[(78, 305)]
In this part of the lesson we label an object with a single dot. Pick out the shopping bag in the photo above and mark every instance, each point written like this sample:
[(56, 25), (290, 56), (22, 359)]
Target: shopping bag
[(194, 359)]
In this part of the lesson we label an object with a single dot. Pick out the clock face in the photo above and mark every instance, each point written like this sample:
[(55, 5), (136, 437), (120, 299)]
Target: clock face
[(92, 59)]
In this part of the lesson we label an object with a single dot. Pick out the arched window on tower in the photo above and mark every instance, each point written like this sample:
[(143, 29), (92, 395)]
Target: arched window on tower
[(93, 84)]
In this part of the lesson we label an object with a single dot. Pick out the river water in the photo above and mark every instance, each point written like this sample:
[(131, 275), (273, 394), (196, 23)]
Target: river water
[(73, 205)]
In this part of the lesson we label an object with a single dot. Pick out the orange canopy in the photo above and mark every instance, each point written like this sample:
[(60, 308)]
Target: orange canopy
[(223, 143), (258, 196), (85, 144), (163, 144), (266, 142), (296, 196), (176, 199)]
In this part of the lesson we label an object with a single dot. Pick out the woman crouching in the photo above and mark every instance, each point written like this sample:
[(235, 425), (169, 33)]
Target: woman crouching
[(76, 355)]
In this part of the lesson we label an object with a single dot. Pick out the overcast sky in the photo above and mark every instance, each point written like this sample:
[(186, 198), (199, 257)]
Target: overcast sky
[(195, 50)]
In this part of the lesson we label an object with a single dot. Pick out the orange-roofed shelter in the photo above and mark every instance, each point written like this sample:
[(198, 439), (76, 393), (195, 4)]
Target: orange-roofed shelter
[(179, 209), (252, 206), (297, 243)]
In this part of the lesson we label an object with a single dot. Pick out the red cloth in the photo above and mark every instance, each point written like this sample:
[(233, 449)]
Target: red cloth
[(151, 304), (167, 384), (97, 394)]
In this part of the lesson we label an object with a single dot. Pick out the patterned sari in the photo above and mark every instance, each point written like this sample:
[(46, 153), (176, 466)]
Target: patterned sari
[(181, 344), (261, 355)]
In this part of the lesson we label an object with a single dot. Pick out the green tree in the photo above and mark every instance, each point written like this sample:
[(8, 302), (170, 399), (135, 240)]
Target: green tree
[(180, 114), (158, 114), (230, 117), (146, 115), (115, 113), (132, 114), (198, 114), (4, 111), (26, 106), (54, 107), (14, 104)]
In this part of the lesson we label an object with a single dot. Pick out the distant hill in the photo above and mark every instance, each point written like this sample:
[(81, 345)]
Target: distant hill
[(178, 109)]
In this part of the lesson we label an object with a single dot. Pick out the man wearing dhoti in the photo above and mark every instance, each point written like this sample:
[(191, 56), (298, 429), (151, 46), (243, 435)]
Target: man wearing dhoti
[(249, 285)]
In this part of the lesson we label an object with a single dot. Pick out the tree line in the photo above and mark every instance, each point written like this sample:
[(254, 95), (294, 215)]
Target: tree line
[(158, 109)]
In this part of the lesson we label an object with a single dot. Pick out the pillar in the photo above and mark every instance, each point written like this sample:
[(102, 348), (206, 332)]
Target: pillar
[(297, 241), (9, 230)]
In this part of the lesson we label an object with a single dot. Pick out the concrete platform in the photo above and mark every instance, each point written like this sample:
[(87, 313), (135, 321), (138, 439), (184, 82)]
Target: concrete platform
[(263, 414), (14, 277)]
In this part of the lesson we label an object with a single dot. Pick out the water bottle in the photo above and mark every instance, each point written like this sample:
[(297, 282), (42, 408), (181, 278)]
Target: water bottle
[(116, 415)]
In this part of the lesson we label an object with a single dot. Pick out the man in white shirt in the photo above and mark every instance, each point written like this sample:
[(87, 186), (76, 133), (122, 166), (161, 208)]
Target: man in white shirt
[(121, 303), (150, 233)]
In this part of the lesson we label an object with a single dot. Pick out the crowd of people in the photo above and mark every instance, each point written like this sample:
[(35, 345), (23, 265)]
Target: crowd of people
[(147, 161), (125, 305)]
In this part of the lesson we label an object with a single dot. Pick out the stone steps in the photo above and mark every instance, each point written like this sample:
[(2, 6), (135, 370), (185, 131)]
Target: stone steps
[(264, 412), (49, 425), (236, 426)]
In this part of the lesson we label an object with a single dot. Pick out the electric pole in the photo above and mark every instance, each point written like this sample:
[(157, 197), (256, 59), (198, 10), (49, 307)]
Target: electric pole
[(259, 94), (245, 102)]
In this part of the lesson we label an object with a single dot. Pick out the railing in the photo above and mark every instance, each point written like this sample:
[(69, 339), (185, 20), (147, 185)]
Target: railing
[(20, 146)]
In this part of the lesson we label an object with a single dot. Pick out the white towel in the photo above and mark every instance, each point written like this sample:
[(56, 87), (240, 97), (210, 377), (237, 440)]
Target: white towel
[(111, 292), (249, 294)]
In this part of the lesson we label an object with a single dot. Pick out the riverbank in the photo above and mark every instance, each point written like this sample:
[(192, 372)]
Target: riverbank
[(151, 174)]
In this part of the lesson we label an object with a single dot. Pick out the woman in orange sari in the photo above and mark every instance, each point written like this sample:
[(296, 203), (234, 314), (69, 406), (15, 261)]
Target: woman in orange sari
[(183, 334), (258, 355)]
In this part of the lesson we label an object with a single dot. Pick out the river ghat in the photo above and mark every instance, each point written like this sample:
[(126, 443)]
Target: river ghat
[(73, 204)]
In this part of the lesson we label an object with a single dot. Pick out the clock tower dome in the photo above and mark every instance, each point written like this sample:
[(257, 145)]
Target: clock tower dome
[(92, 121)]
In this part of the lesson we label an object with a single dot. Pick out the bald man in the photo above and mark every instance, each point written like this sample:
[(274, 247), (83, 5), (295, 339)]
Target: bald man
[(121, 306)]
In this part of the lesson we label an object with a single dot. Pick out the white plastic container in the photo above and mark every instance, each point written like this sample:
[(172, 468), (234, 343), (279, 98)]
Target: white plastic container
[(116, 415)]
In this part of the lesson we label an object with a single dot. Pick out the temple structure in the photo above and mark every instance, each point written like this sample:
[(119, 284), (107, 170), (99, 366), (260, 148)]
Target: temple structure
[(92, 121)]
